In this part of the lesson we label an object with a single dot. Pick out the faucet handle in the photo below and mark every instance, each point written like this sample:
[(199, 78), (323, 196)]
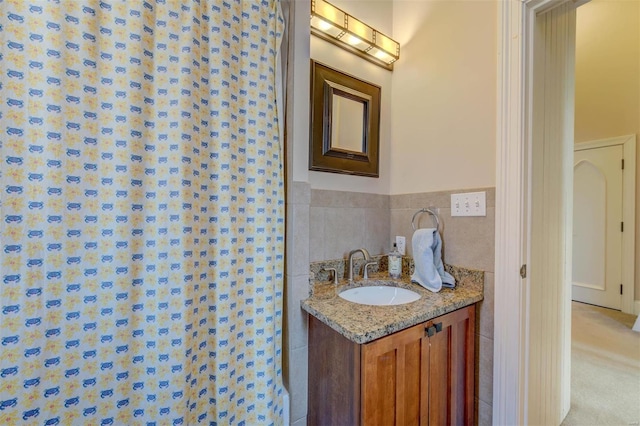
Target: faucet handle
[(335, 274), (366, 275)]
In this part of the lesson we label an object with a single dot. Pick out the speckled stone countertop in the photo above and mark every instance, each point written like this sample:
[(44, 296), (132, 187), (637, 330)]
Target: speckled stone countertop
[(364, 323)]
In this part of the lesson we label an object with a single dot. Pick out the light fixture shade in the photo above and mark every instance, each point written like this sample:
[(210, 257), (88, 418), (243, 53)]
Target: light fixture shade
[(338, 27)]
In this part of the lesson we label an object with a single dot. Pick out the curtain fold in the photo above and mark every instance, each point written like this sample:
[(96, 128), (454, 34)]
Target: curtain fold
[(142, 212)]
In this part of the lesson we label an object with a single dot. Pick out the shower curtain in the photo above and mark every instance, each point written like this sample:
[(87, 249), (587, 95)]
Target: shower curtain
[(142, 212)]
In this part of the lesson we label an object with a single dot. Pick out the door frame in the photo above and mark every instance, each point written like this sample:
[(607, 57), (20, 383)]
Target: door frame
[(628, 143), (516, 123)]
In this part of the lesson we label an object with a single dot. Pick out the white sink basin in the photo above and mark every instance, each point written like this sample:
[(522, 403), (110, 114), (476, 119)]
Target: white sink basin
[(379, 295)]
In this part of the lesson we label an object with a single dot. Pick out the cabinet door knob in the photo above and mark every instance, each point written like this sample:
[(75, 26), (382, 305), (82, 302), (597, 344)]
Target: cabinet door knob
[(431, 331)]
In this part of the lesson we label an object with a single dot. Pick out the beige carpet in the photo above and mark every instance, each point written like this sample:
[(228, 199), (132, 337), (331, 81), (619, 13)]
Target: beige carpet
[(605, 368)]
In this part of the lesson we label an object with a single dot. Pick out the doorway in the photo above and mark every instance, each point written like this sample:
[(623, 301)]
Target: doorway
[(532, 313)]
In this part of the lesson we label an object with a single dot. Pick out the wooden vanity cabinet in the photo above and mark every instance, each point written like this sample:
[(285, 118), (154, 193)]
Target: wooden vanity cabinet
[(423, 375)]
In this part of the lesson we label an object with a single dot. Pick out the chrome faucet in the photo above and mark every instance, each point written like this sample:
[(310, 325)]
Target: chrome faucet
[(366, 255)]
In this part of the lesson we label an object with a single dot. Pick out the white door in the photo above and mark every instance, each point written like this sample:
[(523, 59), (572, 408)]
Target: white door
[(597, 219), (548, 268)]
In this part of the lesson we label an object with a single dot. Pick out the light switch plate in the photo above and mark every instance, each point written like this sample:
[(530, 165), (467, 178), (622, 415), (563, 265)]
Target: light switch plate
[(469, 204), (401, 244)]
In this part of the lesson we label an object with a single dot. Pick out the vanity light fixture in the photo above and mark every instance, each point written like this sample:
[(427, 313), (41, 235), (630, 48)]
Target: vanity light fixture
[(338, 27)]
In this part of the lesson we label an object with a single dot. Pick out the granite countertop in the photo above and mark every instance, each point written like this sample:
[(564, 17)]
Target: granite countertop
[(364, 323)]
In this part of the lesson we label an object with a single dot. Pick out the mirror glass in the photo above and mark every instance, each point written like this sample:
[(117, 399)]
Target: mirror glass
[(347, 122)]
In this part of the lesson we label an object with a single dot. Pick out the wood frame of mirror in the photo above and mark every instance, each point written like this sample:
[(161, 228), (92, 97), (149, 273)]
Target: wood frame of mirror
[(324, 154)]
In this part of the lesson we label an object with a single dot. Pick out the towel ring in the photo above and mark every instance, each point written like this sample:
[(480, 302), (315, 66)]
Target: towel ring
[(431, 212)]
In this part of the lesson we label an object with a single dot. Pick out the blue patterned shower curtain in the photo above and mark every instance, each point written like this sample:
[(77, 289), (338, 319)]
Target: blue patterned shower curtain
[(142, 212)]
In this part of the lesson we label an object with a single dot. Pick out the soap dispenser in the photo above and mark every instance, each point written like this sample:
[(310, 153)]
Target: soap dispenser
[(395, 263)]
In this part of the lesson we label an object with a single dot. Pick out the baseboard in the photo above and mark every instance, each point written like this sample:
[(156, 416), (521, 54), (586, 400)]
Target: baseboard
[(636, 326)]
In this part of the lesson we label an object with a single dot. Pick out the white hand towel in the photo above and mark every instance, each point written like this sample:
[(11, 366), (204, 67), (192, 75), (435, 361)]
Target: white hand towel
[(427, 257)]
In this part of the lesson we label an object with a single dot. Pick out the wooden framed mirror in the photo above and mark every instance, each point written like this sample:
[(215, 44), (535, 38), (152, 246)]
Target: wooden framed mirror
[(345, 123)]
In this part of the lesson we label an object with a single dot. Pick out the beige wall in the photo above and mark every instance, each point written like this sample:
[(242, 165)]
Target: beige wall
[(438, 106), (298, 87), (378, 14), (608, 79), (443, 127)]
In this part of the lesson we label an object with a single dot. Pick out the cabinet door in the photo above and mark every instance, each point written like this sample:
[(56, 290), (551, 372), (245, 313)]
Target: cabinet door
[(334, 377), (393, 377), (451, 368), (423, 375)]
